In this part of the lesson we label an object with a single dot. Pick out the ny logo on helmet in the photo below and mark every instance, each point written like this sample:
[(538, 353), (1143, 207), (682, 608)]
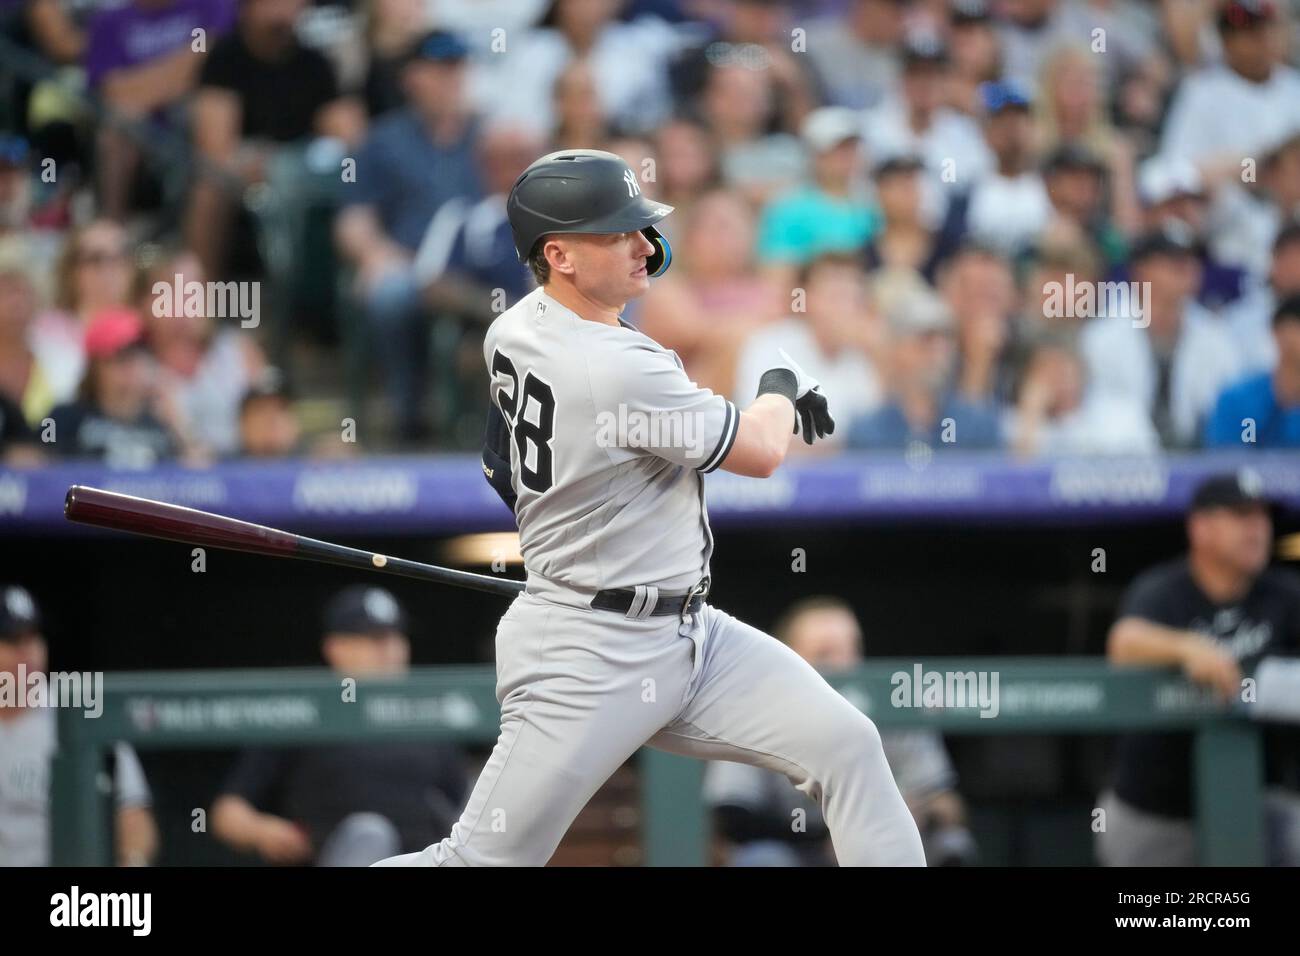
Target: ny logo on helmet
[(633, 187)]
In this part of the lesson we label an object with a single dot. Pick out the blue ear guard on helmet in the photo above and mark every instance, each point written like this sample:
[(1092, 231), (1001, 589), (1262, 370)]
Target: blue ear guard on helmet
[(657, 263)]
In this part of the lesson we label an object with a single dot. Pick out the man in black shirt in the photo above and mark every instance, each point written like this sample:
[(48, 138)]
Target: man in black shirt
[(348, 804), (259, 90), (1215, 613)]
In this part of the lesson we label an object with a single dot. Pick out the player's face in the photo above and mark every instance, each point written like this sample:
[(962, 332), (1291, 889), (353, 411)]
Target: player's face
[(25, 649), (609, 269), (388, 652), (1239, 538)]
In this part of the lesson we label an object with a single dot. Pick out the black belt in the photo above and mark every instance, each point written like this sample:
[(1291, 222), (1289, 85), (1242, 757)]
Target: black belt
[(651, 602)]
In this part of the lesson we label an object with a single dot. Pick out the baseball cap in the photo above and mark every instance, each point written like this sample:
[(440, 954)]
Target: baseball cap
[(1239, 489), (112, 330), (1162, 178), (271, 383), (1073, 157), (18, 612), (923, 48), (828, 126), (439, 46), (897, 163), (1287, 310), (999, 95), (364, 609), (965, 12), (1171, 239), (1245, 14)]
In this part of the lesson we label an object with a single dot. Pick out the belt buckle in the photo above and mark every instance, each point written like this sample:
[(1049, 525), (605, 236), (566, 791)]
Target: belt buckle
[(700, 590)]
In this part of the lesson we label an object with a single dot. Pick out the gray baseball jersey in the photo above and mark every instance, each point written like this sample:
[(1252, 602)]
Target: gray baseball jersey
[(608, 453)]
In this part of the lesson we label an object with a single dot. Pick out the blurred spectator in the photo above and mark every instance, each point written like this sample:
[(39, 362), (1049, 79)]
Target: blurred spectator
[(113, 418), (917, 122), (832, 213), (260, 90), (688, 166), (1264, 410), (1214, 613), (1008, 206), (758, 811), (96, 271), (1248, 214), (713, 299), (1224, 112), (1075, 180), (392, 28), (976, 54), (1057, 413), (580, 120), (628, 63), (141, 58), (980, 294), (1174, 193), (920, 403), (1250, 319), (388, 210), (1071, 112), (756, 162), (30, 736), (753, 36), (904, 241), (855, 53), (205, 363), (268, 425), (466, 263), (346, 804), (833, 341), (1175, 358), (1031, 29), (23, 220), (1055, 265), (24, 380), (18, 445)]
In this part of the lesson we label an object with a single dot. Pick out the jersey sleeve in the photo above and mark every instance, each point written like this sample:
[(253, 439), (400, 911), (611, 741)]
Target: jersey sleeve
[(1149, 598), (644, 400)]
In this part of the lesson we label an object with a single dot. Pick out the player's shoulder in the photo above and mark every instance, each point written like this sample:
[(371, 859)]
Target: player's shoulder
[(1167, 577), (1282, 581)]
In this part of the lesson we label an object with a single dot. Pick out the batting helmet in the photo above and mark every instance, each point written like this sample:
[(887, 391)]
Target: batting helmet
[(588, 191)]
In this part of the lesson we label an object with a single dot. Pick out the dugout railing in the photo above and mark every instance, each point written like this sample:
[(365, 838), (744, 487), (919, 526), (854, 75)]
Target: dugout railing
[(209, 709)]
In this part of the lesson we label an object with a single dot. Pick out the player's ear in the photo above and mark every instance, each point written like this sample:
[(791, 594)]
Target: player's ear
[(556, 252)]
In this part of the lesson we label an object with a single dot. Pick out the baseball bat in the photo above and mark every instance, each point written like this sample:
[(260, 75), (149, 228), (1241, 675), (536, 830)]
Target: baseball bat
[(157, 519)]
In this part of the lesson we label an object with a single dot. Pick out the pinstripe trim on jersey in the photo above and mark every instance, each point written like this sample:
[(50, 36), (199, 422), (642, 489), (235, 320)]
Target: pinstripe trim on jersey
[(730, 425)]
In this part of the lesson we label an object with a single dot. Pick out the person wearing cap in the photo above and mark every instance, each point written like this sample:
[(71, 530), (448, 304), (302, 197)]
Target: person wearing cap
[(1246, 217), (1214, 613), (388, 210), (28, 745), (1075, 180), (976, 53), (268, 424), (345, 804), (921, 406), (832, 212), (1165, 350), (1263, 410), (1008, 206), (1251, 317), (261, 92), (1225, 112), (113, 418), (918, 122)]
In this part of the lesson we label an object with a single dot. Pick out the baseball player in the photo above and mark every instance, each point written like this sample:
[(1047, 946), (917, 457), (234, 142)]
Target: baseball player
[(599, 442)]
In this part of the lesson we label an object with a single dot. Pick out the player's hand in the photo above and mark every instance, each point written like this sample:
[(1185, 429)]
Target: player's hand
[(282, 841), (1207, 664), (810, 405)]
